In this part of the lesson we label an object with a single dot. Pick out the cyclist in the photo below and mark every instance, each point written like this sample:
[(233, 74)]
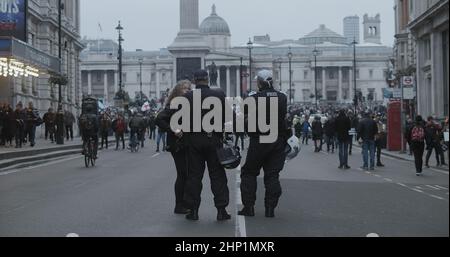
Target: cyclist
[(136, 124), (89, 124)]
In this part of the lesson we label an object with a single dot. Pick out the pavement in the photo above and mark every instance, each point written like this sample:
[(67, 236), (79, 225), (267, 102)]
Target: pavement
[(131, 194)]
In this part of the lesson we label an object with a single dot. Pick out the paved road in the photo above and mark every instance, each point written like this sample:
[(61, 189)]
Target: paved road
[(132, 195)]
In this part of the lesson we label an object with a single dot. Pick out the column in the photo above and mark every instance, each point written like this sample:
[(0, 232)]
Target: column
[(324, 83), (158, 86), (105, 85), (238, 82), (339, 99), (116, 81), (89, 83), (228, 82), (218, 76)]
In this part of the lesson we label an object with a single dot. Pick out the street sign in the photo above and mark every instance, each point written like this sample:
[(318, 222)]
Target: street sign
[(408, 81)]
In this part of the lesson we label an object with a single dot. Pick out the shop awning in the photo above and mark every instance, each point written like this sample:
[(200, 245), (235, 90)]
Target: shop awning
[(20, 52)]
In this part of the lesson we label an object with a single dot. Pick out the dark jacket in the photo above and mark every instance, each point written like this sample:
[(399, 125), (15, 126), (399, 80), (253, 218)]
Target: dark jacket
[(330, 127), (317, 129), (283, 128), (367, 129), (343, 124), (174, 143)]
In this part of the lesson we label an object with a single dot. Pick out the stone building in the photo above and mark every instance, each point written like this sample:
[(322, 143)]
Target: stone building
[(211, 40), (40, 53)]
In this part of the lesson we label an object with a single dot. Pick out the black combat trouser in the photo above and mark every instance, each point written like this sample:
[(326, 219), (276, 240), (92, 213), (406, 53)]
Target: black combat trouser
[(378, 149), (69, 132), (20, 132), (104, 135), (181, 165), (418, 149), (202, 151), (271, 158)]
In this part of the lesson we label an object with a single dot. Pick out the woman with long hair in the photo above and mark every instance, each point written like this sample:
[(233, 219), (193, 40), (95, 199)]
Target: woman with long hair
[(175, 144)]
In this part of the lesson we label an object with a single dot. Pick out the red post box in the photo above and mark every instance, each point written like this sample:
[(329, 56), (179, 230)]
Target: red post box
[(394, 127)]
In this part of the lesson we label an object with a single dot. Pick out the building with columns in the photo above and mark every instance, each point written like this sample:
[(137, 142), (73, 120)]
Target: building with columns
[(333, 70), (99, 71), (41, 53)]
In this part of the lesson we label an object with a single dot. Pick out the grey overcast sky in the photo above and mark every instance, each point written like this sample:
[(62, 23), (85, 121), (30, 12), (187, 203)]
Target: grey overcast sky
[(154, 24)]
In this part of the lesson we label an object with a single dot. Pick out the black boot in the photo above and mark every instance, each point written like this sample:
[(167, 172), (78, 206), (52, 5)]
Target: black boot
[(270, 212), (192, 215), (248, 211), (222, 214), (181, 210)]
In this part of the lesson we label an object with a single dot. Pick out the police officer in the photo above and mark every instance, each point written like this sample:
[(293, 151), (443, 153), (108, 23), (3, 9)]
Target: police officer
[(270, 157), (202, 150)]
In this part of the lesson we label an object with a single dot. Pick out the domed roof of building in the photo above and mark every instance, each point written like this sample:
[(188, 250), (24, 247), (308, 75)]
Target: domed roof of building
[(214, 24), (321, 35)]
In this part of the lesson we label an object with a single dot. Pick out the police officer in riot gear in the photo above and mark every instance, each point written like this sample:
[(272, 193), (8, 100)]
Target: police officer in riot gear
[(270, 157), (202, 150)]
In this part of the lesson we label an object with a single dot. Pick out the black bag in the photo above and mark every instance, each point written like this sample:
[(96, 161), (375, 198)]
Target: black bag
[(229, 156)]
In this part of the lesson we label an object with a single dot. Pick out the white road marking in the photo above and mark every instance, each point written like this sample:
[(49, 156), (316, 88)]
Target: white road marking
[(400, 184), (418, 187), (157, 154), (439, 171), (373, 235), (432, 187), (417, 190), (441, 187), (241, 230), (437, 197), (388, 180), (72, 235), (378, 176), (38, 166)]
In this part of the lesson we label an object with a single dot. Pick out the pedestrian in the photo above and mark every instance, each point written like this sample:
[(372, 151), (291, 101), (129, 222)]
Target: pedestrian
[(105, 125), (48, 122), (20, 117), (119, 127), (32, 120), (330, 133), (317, 133), (69, 120), (409, 125), (367, 129), (202, 150), (355, 123), (152, 127), (343, 125), (380, 137), (162, 136), (176, 145), (306, 127), (268, 157), (418, 144), (433, 141)]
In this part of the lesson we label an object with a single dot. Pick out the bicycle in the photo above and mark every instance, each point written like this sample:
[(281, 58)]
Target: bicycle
[(134, 142), (89, 153)]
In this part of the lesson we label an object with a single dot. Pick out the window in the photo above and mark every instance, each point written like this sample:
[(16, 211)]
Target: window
[(305, 74), (124, 77), (99, 77), (357, 74), (153, 77), (164, 77), (371, 74)]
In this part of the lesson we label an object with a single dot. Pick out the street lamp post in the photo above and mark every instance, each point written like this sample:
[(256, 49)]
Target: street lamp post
[(60, 114), (140, 78), (240, 77), (290, 75), (279, 62), (119, 29), (355, 100), (250, 47), (315, 53)]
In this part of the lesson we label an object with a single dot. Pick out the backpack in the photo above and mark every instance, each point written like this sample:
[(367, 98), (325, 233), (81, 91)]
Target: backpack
[(87, 122), (417, 134)]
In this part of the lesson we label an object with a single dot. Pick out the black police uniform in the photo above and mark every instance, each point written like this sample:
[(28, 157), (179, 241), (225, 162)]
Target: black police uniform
[(270, 157), (201, 151)]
